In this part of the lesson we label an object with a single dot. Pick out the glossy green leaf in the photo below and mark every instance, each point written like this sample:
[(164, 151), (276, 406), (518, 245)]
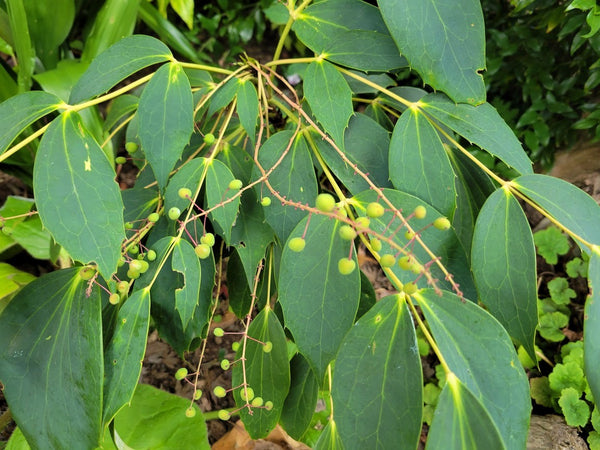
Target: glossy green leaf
[(267, 373), (77, 197), (12, 213), (571, 206), (166, 119), (319, 303), (366, 145), (503, 264), (185, 10), (591, 327), (35, 239), (19, 28), (11, 282), (293, 178), (348, 32), (329, 97), (219, 196), (419, 164), (21, 111), (119, 109), (187, 264), (461, 421), (156, 419), (123, 356), (51, 361), (223, 96), (188, 176), (247, 108), (368, 297), (238, 286), (420, 26), (377, 369), (480, 353), (330, 438), (301, 400), (481, 125)]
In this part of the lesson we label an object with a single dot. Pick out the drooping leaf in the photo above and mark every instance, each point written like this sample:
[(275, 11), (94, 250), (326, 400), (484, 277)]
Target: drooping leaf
[(123, 356), (118, 62), (247, 108), (51, 361), (481, 125), (166, 119), (185, 10), (219, 196), (329, 97), (368, 298), (77, 197), (187, 264), (16, 16), (377, 369), (267, 373), (318, 302), (481, 355), (503, 264), (444, 43), (591, 327), (22, 110), (419, 164)]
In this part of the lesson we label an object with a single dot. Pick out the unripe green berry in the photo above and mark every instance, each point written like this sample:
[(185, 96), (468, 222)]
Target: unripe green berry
[(184, 193), (405, 262), (190, 412), (208, 239), (235, 185), (375, 210), (197, 394), (114, 299), (257, 402), (341, 212), (347, 232), (135, 265), (409, 235), (134, 275), (209, 139), (362, 222), (235, 346), (376, 244), (325, 202), (387, 260), (441, 223), (416, 268), (121, 262), (297, 244), (410, 288), (247, 394), (151, 255), (202, 251), (134, 250), (131, 147), (153, 217), (420, 212), (145, 266), (218, 332), (181, 373), (86, 272), (174, 213), (346, 266), (219, 391), (123, 287), (267, 347), (224, 415), (265, 201), (225, 364), (269, 405), (128, 225), (120, 160)]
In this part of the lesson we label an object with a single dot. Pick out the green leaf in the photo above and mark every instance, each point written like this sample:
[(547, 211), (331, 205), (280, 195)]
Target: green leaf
[(577, 268), (503, 265), (567, 375), (11, 281), (330, 438), (19, 28), (329, 97), (319, 303), (123, 356), (350, 33), (166, 119), (301, 400), (570, 206), (377, 369), (368, 298), (419, 28), (591, 327), (223, 96), (461, 420), (550, 243), (77, 197), (37, 241), (120, 107), (22, 110), (540, 391), (293, 177), (225, 201), (481, 355), (419, 164), (550, 325), (186, 262), (239, 287), (51, 363), (156, 419), (247, 108), (576, 410), (481, 125), (185, 10), (188, 176), (560, 292), (267, 373)]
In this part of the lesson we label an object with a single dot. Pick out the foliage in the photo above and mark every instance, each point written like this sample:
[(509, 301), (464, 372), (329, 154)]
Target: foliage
[(231, 164)]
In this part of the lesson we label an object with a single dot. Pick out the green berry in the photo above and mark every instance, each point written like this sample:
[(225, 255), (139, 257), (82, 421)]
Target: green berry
[(181, 373), (405, 262), (416, 268), (362, 222), (184, 193), (209, 139), (190, 412), (257, 402), (224, 415), (347, 232), (128, 225), (135, 265), (219, 391), (197, 394), (235, 346), (120, 160), (235, 185), (325, 202), (410, 288), (247, 394), (134, 250), (375, 210), (121, 262), (174, 213), (202, 251), (225, 364), (131, 147), (341, 212), (145, 266), (267, 347), (123, 287), (297, 244), (376, 244), (114, 299), (420, 212), (409, 235), (346, 266), (387, 260), (218, 332), (87, 272), (208, 239), (265, 201), (269, 405), (151, 255), (153, 217), (441, 223), (133, 274)]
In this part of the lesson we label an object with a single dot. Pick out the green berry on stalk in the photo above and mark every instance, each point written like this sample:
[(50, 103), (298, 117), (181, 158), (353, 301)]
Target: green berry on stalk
[(297, 244), (235, 185), (247, 394), (151, 255), (410, 288), (145, 266), (376, 244), (134, 250), (218, 332), (346, 266), (416, 268), (120, 160), (341, 212), (181, 373), (123, 287), (87, 272), (219, 391), (387, 260), (420, 212), (174, 213), (197, 394), (131, 147), (375, 210), (224, 415), (190, 412), (128, 225), (347, 232), (235, 346), (405, 262), (325, 202), (265, 201), (441, 223), (267, 347), (209, 139), (133, 274), (409, 235), (184, 193), (257, 402), (208, 239), (362, 222), (269, 405), (114, 299), (202, 251), (153, 217), (225, 364), (135, 265)]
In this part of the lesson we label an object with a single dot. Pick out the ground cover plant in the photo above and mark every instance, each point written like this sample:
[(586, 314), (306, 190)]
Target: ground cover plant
[(285, 167)]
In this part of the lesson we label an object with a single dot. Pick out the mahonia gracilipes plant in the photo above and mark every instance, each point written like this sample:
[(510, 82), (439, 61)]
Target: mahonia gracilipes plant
[(218, 178)]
